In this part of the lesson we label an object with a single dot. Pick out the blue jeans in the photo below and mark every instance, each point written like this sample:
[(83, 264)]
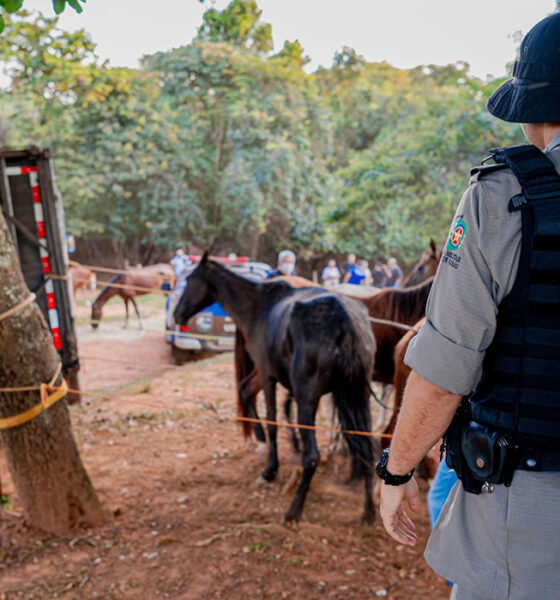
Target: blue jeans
[(444, 480)]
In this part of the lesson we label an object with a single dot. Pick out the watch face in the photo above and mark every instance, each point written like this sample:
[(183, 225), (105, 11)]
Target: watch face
[(380, 469), (384, 458)]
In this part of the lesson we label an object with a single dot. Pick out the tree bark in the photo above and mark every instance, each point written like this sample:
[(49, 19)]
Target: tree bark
[(51, 482)]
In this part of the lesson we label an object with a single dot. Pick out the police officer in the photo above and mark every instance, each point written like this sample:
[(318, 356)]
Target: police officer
[(493, 326)]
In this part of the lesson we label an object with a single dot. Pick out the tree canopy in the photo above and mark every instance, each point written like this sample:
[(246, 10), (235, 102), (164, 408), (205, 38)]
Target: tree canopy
[(224, 142)]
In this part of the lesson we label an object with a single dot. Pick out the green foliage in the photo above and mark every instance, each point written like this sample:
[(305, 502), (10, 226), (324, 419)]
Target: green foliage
[(60, 5), (239, 24), (222, 143), (401, 191), (292, 55), (11, 6)]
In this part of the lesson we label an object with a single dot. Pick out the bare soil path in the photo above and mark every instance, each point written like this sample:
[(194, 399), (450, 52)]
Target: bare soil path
[(189, 520)]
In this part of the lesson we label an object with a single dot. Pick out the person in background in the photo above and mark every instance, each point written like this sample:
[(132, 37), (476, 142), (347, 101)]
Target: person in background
[(180, 263), (379, 275), (355, 275), (394, 273), (330, 275), (286, 264), (368, 280), (349, 263)]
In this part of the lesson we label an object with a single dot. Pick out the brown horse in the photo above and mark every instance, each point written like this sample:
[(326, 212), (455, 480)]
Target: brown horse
[(401, 305), (401, 373), (81, 278), (135, 282), (425, 267)]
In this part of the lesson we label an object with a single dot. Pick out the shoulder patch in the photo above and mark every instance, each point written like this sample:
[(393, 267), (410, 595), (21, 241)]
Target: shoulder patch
[(456, 235)]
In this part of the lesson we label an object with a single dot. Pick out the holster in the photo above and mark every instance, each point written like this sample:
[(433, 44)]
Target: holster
[(490, 455), (478, 454), (452, 444)]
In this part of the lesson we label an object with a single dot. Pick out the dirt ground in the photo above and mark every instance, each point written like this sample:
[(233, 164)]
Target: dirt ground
[(189, 518)]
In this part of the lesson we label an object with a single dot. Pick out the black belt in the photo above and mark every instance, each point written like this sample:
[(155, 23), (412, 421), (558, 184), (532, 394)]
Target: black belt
[(537, 459)]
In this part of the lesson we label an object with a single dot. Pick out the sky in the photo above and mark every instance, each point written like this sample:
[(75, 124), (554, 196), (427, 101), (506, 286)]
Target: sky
[(404, 33)]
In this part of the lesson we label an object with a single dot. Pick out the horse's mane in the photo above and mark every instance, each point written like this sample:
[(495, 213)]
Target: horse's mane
[(404, 305), (108, 288)]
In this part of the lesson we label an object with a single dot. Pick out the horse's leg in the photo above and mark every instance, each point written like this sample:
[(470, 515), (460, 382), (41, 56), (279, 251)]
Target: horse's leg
[(382, 410), (288, 414), (126, 312), (269, 387), (137, 311), (249, 387), (307, 407), (369, 508)]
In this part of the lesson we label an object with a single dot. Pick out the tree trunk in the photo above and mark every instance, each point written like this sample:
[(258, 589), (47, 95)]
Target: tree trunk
[(52, 485)]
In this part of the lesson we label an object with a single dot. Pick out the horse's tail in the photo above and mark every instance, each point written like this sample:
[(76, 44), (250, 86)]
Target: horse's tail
[(351, 393), (243, 366)]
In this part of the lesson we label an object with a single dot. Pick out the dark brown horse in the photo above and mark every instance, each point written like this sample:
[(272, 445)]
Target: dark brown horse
[(247, 377), (135, 282), (425, 267), (309, 340), (401, 305)]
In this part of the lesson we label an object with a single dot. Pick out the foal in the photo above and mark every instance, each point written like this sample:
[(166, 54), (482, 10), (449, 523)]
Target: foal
[(310, 341)]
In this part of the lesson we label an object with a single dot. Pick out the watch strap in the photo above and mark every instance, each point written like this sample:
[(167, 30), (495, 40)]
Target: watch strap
[(388, 477)]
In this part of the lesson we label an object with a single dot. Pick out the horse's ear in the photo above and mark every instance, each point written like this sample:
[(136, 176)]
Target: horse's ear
[(204, 258), (433, 246)]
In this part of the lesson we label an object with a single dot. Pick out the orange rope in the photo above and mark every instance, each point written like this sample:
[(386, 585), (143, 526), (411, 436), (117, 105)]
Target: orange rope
[(47, 400), (214, 415), (145, 290), (73, 263)]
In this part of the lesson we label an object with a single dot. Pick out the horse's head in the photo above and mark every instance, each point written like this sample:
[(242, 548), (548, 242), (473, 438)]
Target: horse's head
[(96, 314), (425, 267), (198, 293)]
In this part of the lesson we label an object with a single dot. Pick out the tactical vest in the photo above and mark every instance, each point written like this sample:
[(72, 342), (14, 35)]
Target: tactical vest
[(519, 392)]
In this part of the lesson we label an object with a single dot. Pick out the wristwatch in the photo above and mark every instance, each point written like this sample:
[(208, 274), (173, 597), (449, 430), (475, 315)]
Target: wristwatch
[(387, 477)]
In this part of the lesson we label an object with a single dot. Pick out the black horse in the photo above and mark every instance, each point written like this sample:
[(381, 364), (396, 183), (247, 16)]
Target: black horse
[(312, 342)]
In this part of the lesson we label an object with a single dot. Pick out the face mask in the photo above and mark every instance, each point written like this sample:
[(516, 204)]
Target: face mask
[(286, 268)]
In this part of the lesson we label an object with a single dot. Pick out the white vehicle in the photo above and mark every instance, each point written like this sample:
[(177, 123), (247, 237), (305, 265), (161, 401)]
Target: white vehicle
[(211, 329)]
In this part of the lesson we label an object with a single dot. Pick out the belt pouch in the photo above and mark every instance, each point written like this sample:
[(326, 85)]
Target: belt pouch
[(454, 456), (487, 453)]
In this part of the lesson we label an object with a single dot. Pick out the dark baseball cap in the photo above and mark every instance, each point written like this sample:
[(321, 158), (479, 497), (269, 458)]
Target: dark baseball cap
[(533, 94)]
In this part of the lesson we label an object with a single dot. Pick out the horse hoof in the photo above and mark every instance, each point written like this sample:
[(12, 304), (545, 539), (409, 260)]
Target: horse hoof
[(261, 480), (269, 474), (368, 518), (289, 519)]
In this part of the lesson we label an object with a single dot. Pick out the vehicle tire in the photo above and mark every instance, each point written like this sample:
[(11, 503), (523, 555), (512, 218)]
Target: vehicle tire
[(180, 356)]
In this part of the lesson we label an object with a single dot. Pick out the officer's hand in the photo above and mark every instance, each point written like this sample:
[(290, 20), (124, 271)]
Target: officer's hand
[(395, 520)]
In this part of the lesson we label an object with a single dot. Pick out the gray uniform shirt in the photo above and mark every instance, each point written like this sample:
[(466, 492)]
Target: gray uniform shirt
[(477, 270), (504, 545)]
